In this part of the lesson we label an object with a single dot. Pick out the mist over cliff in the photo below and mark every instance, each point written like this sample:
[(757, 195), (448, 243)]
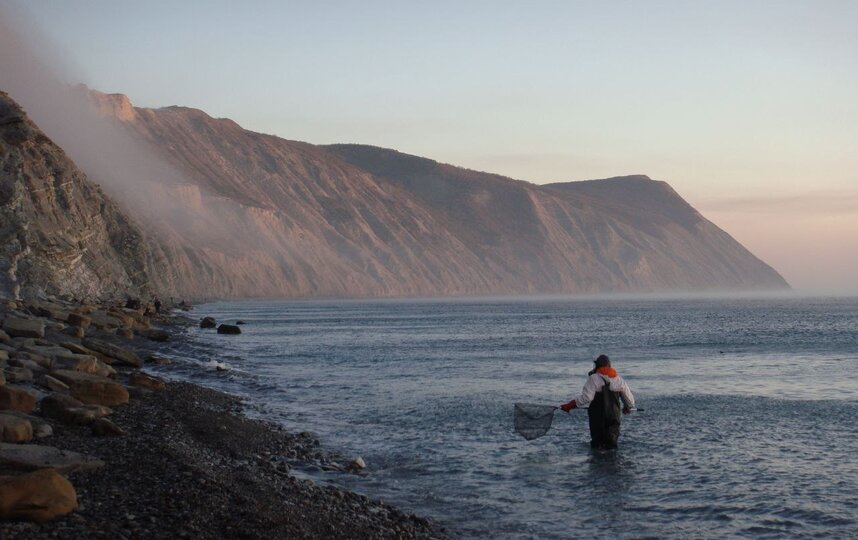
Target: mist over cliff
[(214, 210)]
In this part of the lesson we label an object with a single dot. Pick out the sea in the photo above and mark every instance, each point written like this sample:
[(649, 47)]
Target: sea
[(748, 427)]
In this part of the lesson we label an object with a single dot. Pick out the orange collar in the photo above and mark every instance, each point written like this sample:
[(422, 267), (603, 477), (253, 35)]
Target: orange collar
[(607, 372)]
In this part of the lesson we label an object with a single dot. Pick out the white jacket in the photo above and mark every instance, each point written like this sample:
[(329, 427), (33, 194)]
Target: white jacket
[(595, 384)]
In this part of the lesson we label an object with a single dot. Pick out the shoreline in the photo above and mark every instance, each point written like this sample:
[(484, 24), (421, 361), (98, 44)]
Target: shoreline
[(192, 463)]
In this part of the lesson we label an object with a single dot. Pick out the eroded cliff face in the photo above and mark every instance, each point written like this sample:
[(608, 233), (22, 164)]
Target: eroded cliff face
[(59, 234), (227, 212)]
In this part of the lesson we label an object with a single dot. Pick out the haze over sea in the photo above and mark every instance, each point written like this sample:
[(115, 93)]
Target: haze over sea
[(748, 428)]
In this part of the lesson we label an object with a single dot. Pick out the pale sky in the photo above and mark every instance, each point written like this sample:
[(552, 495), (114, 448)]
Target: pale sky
[(748, 109)]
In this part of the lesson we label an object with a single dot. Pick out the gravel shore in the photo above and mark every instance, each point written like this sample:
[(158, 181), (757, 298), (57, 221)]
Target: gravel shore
[(192, 465)]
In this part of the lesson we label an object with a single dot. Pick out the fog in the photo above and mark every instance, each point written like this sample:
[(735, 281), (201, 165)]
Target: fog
[(131, 173)]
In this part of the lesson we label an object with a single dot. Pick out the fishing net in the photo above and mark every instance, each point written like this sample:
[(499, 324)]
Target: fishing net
[(533, 421)]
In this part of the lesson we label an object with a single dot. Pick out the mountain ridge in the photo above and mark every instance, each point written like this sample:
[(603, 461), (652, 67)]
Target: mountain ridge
[(234, 213)]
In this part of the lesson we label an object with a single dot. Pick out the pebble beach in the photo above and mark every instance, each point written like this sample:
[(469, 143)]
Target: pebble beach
[(94, 447)]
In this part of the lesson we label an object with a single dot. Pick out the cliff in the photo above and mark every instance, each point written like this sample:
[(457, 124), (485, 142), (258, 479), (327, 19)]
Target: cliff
[(227, 212), (60, 235)]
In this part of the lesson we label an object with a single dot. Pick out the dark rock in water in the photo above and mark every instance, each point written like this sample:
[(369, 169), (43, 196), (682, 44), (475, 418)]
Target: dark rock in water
[(208, 322), (240, 322), (156, 335), (228, 329)]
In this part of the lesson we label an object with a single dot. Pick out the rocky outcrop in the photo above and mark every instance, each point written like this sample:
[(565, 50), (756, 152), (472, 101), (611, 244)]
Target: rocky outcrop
[(59, 234)]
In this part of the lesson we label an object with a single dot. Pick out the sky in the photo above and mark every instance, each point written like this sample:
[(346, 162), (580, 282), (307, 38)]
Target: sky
[(748, 109)]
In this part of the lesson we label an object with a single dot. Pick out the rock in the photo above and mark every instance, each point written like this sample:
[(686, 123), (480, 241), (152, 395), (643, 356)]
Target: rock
[(27, 328), (208, 322), (24, 362), (357, 464), (2, 378), (105, 428), (51, 311), (156, 335), (53, 384), (14, 429), (126, 333), (88, 364), (92, 389), (68, 410), (18, 375), (41, 428), (4, 337), (138, 378), (37, 496), (228, 329), (75, 348), (75, 331), (79, 320), (118, 354), (28, 457), (160, 360), (30, 353), (4, 355), (16, 399), (239, 323), (102, 320), (53, 325)]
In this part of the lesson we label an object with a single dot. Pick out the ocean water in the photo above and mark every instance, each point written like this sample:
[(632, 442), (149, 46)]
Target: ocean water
[(750, 427)]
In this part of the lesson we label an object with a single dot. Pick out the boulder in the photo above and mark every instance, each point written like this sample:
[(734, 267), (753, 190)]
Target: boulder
[(41, 428), (51, 311), (18, 375), (75, 331), (102, 320), (126, 333), (93, 389), (2, 378), (53, 384), (155, 334), (138, 378), (37, 496), (158, 359), (118, 354), (228, 329), (4, 337), (26, 328), (24, 362), (79, 320), (239, 323), (28, 457), (208, 322), (44, 362), (86, 364), (105, 428), (14, 398), (69, 410), (14, 429), (4, 355), (75, 348), (357, 464)]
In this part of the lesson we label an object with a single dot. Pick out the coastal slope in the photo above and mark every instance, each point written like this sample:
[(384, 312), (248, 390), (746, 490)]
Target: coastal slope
[(59, 233), (227, 212)]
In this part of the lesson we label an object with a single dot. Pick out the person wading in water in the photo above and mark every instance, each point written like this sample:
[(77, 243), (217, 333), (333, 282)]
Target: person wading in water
[(601, 395)]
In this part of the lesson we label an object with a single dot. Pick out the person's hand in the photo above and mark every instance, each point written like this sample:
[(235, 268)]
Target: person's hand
[(627, 409), (566, 407)]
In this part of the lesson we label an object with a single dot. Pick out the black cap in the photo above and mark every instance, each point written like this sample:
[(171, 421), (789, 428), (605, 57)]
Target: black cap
[(602, 361)]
